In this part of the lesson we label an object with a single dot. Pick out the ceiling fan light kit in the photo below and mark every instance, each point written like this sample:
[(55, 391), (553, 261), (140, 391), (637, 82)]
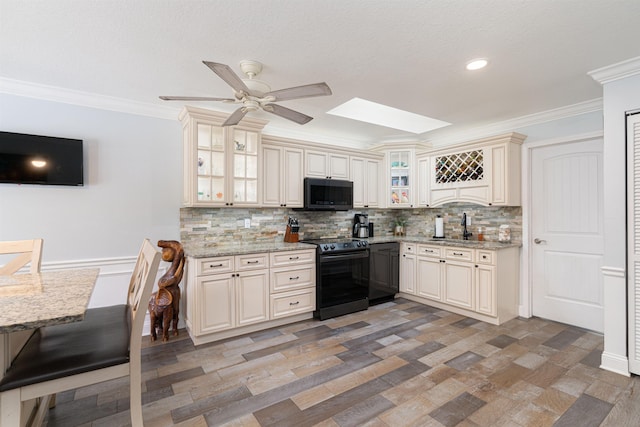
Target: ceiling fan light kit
[(255, 94)]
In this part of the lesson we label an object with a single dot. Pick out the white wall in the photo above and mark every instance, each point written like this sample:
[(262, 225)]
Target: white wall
[(620, 96), (133, 184)]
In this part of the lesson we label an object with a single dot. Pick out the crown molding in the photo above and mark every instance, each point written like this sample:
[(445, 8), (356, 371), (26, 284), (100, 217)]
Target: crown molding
[(617, 71), (85, 99), (520, 122), (92, 100)]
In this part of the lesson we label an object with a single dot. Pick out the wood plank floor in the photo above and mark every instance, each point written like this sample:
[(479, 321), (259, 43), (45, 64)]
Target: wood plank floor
[(396, 364)]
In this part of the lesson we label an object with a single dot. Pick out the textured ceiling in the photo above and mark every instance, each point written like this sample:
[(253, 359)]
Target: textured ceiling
[(407, 54)]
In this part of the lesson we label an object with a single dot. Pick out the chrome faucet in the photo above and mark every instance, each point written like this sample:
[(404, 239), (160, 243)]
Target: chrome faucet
[(465, 234)]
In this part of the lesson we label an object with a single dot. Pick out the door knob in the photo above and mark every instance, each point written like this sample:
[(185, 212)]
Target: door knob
[(538, 241)]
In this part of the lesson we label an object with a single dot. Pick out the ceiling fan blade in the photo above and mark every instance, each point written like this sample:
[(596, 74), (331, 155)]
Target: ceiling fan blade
[(235, 117), (226, 73), (287, 113), (194, 98), (306, 91)]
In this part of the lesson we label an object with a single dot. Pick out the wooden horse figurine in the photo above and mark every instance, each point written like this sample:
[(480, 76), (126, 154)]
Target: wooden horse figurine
[(164, 305)]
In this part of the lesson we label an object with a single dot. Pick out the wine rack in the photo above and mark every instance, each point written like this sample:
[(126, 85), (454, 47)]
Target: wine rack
[(460, 167)]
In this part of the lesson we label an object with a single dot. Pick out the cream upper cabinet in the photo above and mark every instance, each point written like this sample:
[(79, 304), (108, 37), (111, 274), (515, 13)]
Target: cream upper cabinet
[(326, 165), (400, 180), (221, 164), (282, 176), (424, 195), (365, 174), (486, 172)]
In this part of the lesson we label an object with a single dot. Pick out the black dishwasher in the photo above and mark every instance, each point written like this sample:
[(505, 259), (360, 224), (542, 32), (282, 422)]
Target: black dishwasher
[(384, 272)]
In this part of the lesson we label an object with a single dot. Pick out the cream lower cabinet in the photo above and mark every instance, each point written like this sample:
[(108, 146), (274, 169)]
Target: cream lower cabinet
[(430, 272), (459, 277), (233, 291), (293, 283), (478, 283), (408, 268), (232, 295)]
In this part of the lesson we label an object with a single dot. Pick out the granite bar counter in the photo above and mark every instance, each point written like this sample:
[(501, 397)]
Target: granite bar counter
[(30, 301)]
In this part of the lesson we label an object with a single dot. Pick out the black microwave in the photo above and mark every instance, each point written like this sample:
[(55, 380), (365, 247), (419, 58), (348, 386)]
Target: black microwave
[(327, 194)]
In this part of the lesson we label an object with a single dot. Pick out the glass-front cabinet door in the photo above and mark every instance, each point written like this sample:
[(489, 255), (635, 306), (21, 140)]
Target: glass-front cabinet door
[(245, 167), (400, 189), (211, 163), (221, 164)]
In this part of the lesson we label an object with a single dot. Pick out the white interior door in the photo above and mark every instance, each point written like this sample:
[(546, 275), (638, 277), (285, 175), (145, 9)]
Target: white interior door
[(567, 233)]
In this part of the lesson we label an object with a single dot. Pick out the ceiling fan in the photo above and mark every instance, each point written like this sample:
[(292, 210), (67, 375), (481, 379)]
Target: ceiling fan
[(255, 94)]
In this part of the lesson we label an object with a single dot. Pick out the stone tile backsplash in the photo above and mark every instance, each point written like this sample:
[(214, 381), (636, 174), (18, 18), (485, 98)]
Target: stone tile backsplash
[(225, 225)]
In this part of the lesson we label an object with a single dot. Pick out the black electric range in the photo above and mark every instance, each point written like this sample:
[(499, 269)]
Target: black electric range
[(342, 276)]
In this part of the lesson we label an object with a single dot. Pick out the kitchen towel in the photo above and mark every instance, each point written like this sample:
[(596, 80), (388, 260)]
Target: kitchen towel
[(439, 227)]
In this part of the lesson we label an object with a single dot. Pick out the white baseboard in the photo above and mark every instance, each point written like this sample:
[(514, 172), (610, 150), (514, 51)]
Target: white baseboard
[(615, 363)]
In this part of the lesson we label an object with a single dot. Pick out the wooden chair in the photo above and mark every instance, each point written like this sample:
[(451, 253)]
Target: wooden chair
[(103, 346), (29, 251)]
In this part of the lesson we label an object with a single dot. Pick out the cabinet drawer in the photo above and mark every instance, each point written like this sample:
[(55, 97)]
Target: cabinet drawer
[(251, 261), (215, 265), (430, 251), (287, 279), (408, 248), (485, 256), (279, 259), (290, 303), (459, 254)]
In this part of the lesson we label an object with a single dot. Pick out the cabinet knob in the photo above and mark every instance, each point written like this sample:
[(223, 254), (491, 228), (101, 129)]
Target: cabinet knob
[(294, 257), (294, 278), (294, 303), (214, 266)]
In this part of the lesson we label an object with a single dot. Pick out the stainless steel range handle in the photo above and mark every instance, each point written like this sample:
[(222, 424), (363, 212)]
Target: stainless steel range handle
[(538, 241)]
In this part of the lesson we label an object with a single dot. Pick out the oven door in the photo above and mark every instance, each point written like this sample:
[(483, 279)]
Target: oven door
[(343, 278)]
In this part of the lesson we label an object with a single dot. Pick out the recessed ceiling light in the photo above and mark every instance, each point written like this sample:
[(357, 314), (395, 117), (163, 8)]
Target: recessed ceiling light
[(382, 115), (477, 64), (38, 163)]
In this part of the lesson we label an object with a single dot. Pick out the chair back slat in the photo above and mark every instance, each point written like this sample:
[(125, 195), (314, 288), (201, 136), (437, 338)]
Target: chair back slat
[(140, 287), (27, 252)]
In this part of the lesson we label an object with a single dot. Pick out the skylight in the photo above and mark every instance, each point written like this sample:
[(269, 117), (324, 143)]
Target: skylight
[(382, 115)]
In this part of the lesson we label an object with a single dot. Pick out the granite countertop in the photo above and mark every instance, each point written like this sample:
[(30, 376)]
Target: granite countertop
[(30, 301), (209, 249), (473, 244), (212, 250)]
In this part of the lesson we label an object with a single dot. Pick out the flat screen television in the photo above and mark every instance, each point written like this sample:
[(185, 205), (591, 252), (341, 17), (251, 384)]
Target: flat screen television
[(35, 159)]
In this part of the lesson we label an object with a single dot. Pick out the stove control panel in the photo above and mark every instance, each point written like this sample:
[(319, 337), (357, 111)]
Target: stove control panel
[(342, 246)]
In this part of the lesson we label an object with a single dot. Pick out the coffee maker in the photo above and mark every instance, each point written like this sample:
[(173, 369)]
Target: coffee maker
[(361, 225)]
